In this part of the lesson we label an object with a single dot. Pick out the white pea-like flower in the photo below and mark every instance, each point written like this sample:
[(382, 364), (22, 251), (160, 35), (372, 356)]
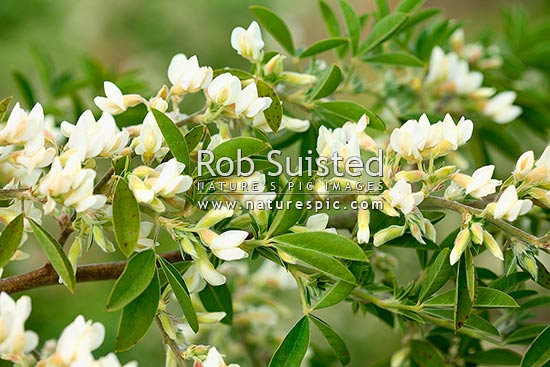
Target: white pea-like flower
[(400, 196), (149, 142), (319, 222), (452, 73), (248, 42), (77, 342), (34, 154), (92, 139), (224, 89), (111, 360), (14, 340), (187, 76), (501, 108), (114, 101), (345, 141), (363, 229), (508, 206), (226, 245), (144, 242), (289, 123), (481, 183), (248, 103), (21, 126), (215, 359), (524, 165), (409, 140)]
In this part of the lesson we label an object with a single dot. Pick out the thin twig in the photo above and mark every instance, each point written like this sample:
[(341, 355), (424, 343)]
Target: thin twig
[(171, 343)]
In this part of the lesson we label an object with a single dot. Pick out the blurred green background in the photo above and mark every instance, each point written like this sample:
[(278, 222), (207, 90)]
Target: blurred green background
[(144, 35)]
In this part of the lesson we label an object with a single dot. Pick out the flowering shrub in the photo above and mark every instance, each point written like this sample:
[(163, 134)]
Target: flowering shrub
[(361, 179)]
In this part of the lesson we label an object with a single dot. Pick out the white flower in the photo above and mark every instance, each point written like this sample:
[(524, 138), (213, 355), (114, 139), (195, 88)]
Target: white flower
[(319, 222), (94, 139), (209, 273), (115, 102), (144, 242), (214, 216), (509, 207), (272, 275), (187, 76), (457, 134), (249, 104), (453, 73), (150, 139), (481, 183), (215, 359), (14, 340), (70, 183), (35, 154), (226, 245), (289, 123), (111, 360), (363, 221), (78, 341), (501, 109), (401, 196), (524, 165), (345, 141), (409, 140), (224, 89), (248, 42), (21, 126)]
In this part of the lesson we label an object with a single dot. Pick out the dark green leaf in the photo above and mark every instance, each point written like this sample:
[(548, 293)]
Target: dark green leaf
[(330, 19), (395, 58), (524, 334), (334, 340), (437, 275), (407, 6), (275, 26), (322, 46), (54, 253), (288, 216), (507, 282), (25, 88), (492, 357), (543, 276), (194, 136), (338, 292), (425, 354), (327, 83), (180, 291), (293, 349), (408, 241), (465, 291), (486, 298), (382, 30), (418, 18), (538, 353), (126, 218), (137, 317), (353, 26), (11, 239), (351, 111), (274, 114), (474, 321), (133, 281), (325, 243), (174, 138), (216, 299), (4, 104)]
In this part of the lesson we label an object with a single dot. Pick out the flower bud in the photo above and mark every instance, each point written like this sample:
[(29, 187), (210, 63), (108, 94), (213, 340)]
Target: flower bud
[(363, 220), (274, 66), (462, 180), (75, 251), (388, 234), (537, 175), (214, 216), (461, 242), (430, 231), (188, 247), (476, 231), (492, 245), (101, 241), (524, 165), (454, 192), (167, 325), (207, 236), (298, 79), (410, 176), (444, 172)]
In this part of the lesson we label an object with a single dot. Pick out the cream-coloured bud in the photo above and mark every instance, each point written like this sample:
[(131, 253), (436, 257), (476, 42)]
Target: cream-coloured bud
[(410, 176), (461, 243), (274, 66), (207, 236), (75, 251), (214, 216), (462, 180), (444, 172), (188, 247), (476, 230), (101, 241), (454, 192), (492, 245), (524, 165), (298, 79), (537, 176), (167, 325), (430, 231), (388, 234)]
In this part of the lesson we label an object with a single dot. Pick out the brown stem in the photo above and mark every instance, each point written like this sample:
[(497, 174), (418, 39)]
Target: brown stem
[(171, 343), (46, 275)]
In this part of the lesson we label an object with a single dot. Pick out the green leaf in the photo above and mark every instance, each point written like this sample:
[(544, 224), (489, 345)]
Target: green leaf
[(538, 301), (325, 243), (241, 74), (328, 83), (319, 261), (330, 19), (4, 104), (486, 298), (322, 46), (275, 26), (181, 292), (418, 18), (507, 282), (54, 253), (524, 334), (351, 111), (137, 317), (408, 241), (395, 58), (494, 357), (293, 349), (425, 354), (465, 290), (25, 88), (338, 292), (543, 276), (383, 8), (437, 275), (194, 136), (474, 321), (382, 30), (216, 299), (174, 138), (288, 216), (538, 353), (334, 340), (353, 26), (135, 278), (11, 239), (407, 6), (126, 218), (274, 114)]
